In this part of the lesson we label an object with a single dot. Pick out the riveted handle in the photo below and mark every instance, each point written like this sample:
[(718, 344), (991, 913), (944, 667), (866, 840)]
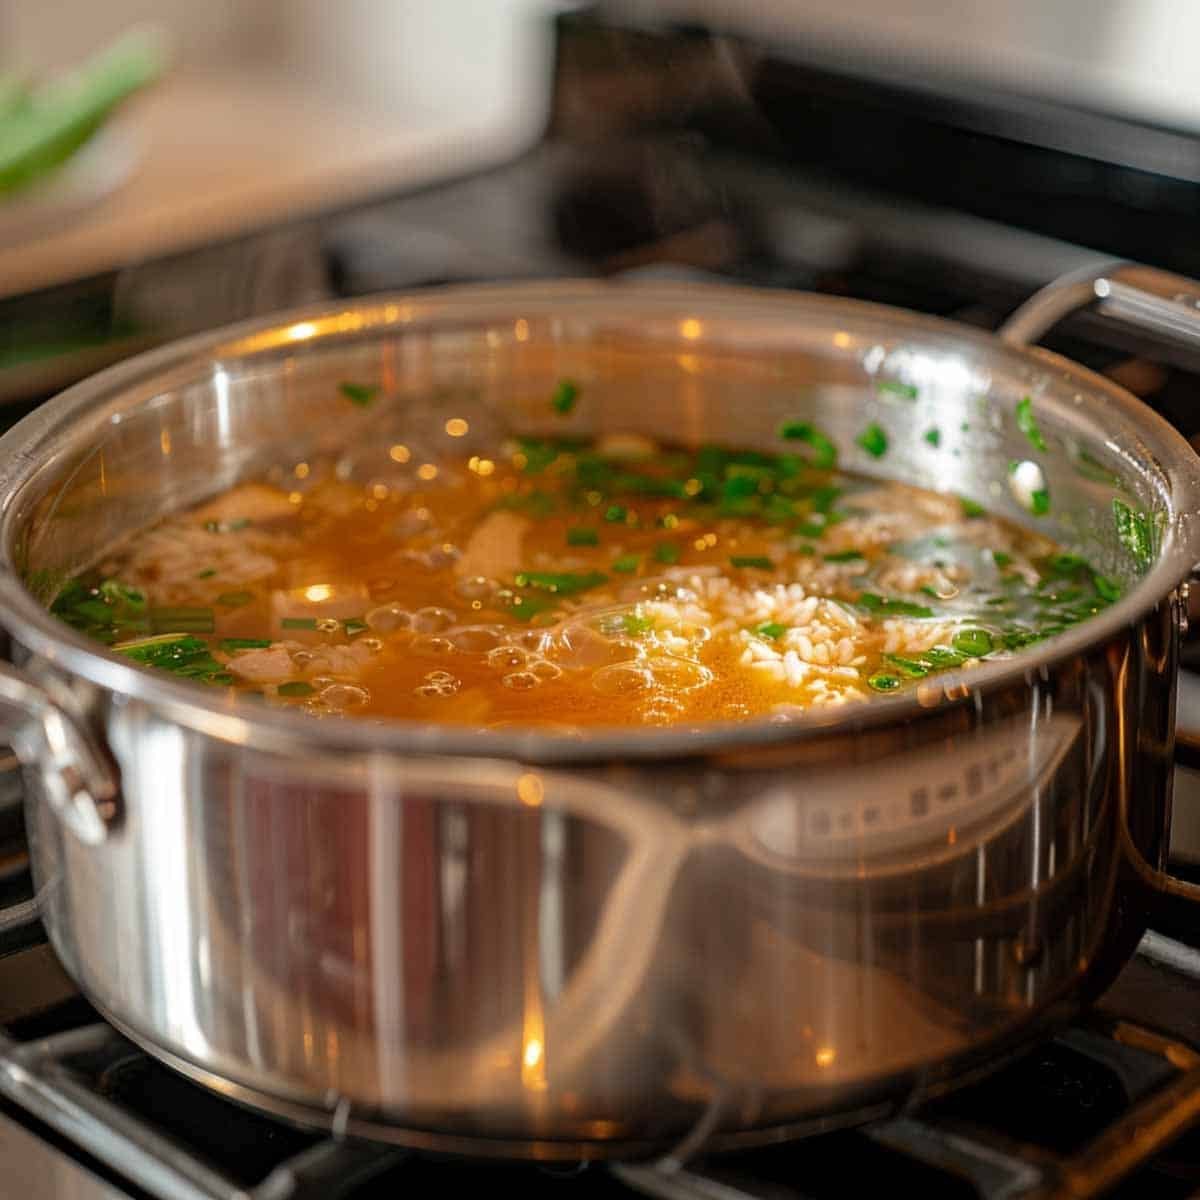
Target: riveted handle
[(79, 783)]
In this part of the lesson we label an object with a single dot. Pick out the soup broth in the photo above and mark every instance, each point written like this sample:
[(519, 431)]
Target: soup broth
[(570, 584)]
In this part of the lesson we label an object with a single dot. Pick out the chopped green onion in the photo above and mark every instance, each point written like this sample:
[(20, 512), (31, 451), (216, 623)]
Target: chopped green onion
[(881, 681), (1039, 502), (581, 535), (359, 394), (913, 668), (666, 552), (933, 437), (565, 395), (563, 583), (1001, 559), (1133, 530), (235, 599), (759, 561), (295, 688), (970, 508), (536, 455), (873, 440), (230, 645), (973, 642), (824, 451), (226, 526), (772, 630), (1027, 423), (627, 564), (354, 626), (298, 623), (615, 513), (181, 620), (1107, 589), (207, 574), (635, 624), (892, 387), (892, 608), (844, 556), (179, 653), (528, 607)]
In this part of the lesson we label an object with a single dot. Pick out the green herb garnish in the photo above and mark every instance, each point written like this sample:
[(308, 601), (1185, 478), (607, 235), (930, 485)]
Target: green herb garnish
[(886, 606), (873, 440), (970, 508), (1039, 502), (635, 625), (582, 535), (666, 552), (178, 653), (627, 564), (881, 681), (1001, 559), (974, 643), (562, 583), (892, 387), (298, 623), (360, 394), (207, 574), (1027, 423), (1133, 530), (536, 455), (295, 688), (354, 626), (1107, 589), (181, 620), (824, 451), (772, 630), (759, 561), (565, 395), (226, 526), (933, 437), (235, 599), (913, 668), (844, 556), (229, 645), (615, 513)]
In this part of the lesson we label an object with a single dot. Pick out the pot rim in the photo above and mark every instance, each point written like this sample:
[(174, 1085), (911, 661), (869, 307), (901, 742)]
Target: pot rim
[(218, 715)]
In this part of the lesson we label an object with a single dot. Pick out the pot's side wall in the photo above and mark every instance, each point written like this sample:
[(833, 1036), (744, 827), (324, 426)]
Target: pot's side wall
[(486, 950)]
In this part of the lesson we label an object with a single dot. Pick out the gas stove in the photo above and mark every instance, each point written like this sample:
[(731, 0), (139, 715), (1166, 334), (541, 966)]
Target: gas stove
[(673, 153)]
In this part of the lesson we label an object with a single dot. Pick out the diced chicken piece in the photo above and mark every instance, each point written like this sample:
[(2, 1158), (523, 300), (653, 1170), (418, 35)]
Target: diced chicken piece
[(272, 665), (252, 501), (338, 660), (494, 549)]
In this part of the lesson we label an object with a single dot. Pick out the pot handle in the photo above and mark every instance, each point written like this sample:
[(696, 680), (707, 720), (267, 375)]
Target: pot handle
[(1162, 306), (1166, 309), (78, 781)]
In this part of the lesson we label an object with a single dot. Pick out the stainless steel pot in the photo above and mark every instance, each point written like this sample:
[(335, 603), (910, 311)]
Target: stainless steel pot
[(539, 945)]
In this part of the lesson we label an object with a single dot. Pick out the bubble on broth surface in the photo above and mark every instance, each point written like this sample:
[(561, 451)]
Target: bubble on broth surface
[(503, 658), (389, 618), (344, 695), (432, 620), (477, 587), (476, 639), (521, 681), (679, 674), (622, 679), (432, 644)]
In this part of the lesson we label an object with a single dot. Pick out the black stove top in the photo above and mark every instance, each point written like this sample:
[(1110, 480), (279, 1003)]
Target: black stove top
[(673, 153)]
